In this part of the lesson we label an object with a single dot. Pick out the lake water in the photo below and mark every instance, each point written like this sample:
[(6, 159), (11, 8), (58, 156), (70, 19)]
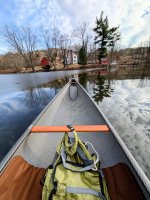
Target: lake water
[(126, 103)]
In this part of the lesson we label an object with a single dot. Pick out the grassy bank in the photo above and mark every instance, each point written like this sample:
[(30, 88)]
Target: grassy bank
[(40, 69), (124, 70)]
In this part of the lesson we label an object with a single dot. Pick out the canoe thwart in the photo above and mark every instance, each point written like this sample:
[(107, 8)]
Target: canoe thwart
[(80, 128)]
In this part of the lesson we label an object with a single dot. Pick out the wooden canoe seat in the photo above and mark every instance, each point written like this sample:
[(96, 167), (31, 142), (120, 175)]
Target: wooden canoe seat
[(81, 128)]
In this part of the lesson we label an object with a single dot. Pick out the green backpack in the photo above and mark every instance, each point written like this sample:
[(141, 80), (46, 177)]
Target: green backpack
[(74, 173)]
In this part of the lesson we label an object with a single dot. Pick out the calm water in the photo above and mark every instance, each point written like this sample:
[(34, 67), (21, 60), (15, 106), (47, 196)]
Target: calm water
[(126, 104)]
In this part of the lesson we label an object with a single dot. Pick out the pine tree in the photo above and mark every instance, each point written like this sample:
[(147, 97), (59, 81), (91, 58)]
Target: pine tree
[(106, 37), (83, 56)]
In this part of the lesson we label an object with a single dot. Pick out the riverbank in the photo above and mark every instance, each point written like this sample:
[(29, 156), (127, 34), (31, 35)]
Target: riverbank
[(121, 69), (40, 69)]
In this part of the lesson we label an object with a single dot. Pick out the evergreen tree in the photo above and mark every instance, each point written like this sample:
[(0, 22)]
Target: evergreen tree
[(106, 37), (82, 56)]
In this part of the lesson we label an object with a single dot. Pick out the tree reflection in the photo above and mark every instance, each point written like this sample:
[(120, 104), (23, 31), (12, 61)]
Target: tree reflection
[(102, 89), (37, 96), (41, 95), (83, 78)]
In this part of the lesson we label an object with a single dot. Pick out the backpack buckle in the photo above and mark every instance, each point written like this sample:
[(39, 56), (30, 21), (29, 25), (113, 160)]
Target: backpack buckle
[(70, 127)]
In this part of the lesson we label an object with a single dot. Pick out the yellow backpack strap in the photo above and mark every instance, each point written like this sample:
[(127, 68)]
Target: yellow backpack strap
[(69, 148)]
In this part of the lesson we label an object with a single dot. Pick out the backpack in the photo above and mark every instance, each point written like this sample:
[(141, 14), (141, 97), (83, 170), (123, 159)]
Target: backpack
[(74, 173)]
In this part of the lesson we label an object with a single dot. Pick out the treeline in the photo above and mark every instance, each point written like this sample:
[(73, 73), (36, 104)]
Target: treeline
[(89, 43), (138, 56)]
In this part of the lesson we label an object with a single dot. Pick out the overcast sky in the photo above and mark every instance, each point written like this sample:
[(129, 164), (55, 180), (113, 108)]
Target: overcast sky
[(133, 16)]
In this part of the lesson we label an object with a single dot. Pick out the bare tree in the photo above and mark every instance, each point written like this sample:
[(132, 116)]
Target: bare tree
[(92, 54), (51, 41), (23, 41), (48, 44), (55, 42), (76, 47), (65, 47), (141, 55), (114, 52), (82, 32)]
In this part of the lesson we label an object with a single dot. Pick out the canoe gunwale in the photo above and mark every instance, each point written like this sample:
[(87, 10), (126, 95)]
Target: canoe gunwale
[(8, 156)]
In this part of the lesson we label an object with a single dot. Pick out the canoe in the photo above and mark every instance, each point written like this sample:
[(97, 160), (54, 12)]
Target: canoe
[(72, 105)]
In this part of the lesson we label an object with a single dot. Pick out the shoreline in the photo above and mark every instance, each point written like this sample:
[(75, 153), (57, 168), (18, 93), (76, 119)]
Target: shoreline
[(40, 69), (123, 69)]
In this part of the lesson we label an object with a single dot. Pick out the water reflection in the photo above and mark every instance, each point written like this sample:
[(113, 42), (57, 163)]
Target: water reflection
[(11, 83), (36, 95), (18, 112), (15, 117), (42, 94), (83, 78), (101, 85), (128, 109), (101, 89), (140, 74)]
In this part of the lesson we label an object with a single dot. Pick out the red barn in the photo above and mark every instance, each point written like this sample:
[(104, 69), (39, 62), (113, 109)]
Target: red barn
[(44, 62)]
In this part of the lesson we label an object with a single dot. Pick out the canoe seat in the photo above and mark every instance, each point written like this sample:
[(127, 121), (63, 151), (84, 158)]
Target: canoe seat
[(21, 181), (80, 128), (121, 183)]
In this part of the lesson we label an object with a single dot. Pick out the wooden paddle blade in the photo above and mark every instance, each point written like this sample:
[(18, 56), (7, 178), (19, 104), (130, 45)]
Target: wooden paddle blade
[(81, 128)]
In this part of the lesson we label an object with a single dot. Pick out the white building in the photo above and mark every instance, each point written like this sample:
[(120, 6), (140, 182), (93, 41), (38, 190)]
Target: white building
[(72, 57)]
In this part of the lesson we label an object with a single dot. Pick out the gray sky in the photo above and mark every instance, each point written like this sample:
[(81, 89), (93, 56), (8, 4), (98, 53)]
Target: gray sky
[(133, 16)]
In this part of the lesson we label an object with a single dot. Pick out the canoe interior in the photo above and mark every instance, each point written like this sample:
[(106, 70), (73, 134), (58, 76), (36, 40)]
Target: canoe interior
[(72, 106), (39, 148)]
